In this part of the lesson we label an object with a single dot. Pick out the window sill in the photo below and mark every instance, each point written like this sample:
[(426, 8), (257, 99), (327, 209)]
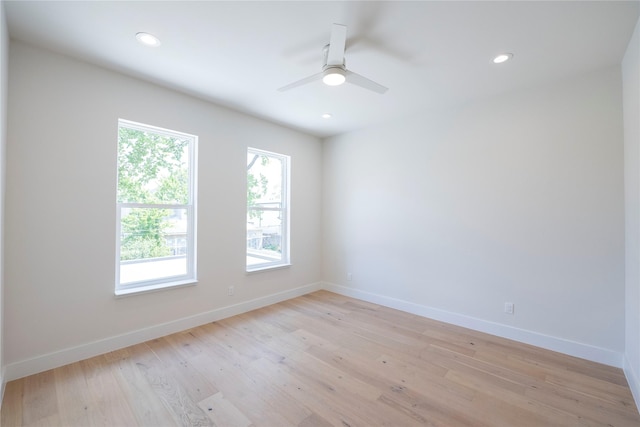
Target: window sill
[(267, 268), (154, 288)]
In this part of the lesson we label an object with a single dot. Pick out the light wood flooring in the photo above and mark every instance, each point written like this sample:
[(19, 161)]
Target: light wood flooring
[(325, 360)]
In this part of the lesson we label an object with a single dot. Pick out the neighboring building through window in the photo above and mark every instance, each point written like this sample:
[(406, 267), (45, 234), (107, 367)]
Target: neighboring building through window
[(267, 210), (155, 212)]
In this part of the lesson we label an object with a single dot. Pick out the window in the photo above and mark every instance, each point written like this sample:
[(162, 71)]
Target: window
[(155, 212), (267, 210)]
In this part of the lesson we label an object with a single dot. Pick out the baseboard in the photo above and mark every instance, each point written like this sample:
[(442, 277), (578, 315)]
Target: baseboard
[(56, 359), (633, 379), (70, 355), (576, 349), (3, 384)]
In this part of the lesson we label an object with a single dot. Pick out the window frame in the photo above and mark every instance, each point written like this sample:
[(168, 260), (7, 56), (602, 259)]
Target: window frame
[(190, 277), (285, 213)]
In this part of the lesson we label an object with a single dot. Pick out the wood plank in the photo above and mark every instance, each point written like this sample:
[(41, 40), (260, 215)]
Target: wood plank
[(223, 412), (421, 393), (175, 354), (314, 420), (325, 360), (73, 394), (183, 410), (11, 413), (40, 399), (108, 405), (144, 402), (253, 394)]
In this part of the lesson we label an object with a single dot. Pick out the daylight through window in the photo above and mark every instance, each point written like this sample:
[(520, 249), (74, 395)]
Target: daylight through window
[(267, 210), (155, 208)]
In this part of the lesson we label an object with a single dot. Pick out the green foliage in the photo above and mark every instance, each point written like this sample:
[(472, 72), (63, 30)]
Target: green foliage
[(273, 247), (152, 169), (256, 186), (143, 234)]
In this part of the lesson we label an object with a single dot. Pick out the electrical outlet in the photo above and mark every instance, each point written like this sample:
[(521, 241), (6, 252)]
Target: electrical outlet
[(231, 290), (508, 307), (349, 276)]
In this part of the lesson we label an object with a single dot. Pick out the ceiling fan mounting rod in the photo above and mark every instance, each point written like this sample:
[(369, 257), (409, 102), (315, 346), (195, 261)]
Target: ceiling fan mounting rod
[(325, 55)]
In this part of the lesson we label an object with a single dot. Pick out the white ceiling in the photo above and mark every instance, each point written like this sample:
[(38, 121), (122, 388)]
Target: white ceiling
[(429, 54)]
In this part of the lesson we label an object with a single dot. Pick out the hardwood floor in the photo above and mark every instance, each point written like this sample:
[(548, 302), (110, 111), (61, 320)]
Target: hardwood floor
[(325, 360)]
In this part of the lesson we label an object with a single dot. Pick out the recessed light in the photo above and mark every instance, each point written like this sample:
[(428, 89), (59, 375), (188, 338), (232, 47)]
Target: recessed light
[(148, 39), (503, 57), (326, 116)]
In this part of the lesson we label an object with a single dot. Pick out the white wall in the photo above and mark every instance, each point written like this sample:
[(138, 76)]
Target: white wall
[(518, 198), (4, 57), (631, 106), (60, 215)]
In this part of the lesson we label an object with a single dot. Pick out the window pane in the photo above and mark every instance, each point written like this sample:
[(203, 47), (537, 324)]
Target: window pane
[(264, 237), (156, 205), (152, 167), (267, 210), (264, 179), (153, 244)]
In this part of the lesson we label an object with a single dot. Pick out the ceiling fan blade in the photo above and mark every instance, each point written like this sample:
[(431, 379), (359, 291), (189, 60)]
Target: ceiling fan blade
[(301, 82), (364, 82), (335, 56)]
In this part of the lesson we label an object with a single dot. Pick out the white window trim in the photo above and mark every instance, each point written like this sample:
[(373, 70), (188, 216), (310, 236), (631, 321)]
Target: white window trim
[(285, 262), (190, 278)]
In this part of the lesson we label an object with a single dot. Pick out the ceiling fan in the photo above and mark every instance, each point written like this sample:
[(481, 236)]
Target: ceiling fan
[(334, 72)]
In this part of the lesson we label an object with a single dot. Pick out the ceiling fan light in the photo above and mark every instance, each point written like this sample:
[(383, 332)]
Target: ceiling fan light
[(334, 77)]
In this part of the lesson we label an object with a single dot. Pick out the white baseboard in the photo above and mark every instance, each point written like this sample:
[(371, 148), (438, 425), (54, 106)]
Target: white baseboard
[(3, 384), (633, 379), (584, 351), (56, 359)]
